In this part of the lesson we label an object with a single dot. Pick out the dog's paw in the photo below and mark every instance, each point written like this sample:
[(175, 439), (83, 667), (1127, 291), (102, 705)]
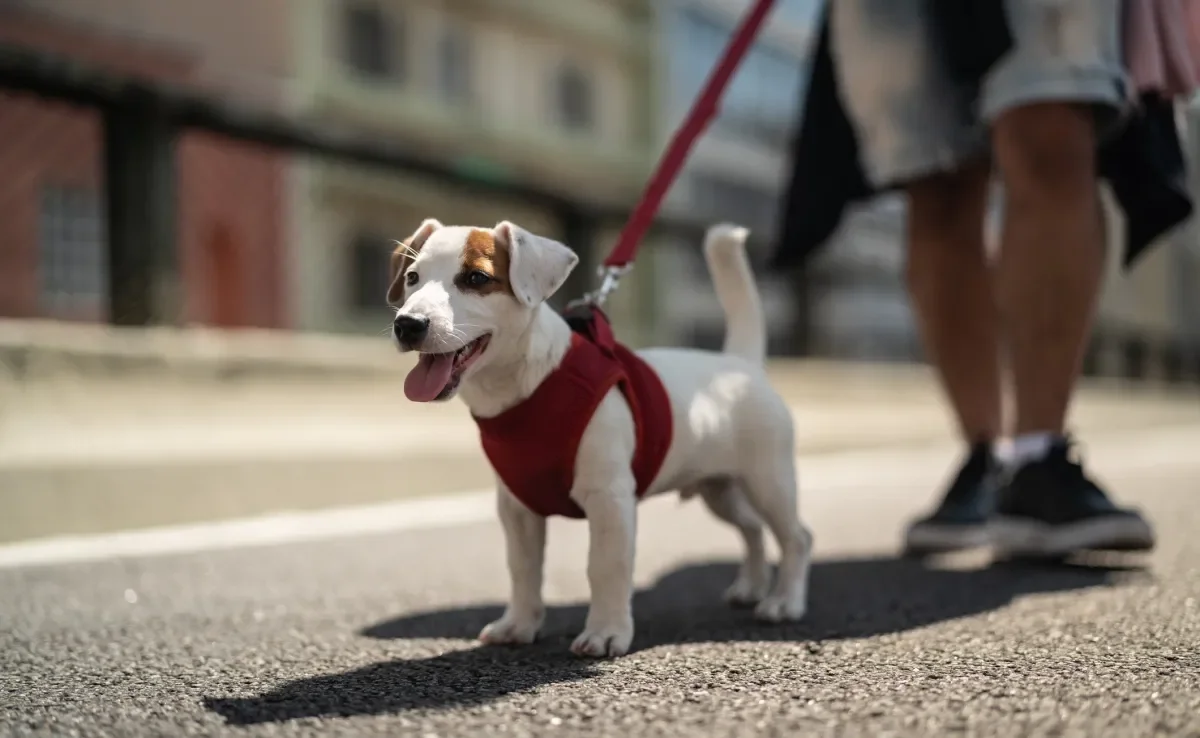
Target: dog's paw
[(745, 592), (777, 609), (510, 630), (608, 640)]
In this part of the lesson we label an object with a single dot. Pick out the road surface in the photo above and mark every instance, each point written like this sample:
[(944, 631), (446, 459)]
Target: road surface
[(361, 622)]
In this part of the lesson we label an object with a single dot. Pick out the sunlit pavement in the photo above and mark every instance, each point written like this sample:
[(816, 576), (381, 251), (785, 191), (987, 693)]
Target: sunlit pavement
[(89, 456), (364, 624)]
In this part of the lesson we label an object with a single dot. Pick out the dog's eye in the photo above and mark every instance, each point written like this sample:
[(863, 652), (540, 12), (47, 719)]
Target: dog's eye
[(476, 279), (411, 278)]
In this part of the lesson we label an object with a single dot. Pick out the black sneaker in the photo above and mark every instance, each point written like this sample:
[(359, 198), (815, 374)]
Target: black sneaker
[(1050, 509), (962, 520)]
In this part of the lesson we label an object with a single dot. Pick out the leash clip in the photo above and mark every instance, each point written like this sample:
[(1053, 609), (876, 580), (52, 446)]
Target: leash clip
[(610, 279)]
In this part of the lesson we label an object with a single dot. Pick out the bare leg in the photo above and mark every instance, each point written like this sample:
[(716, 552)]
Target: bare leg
[(950, 284), (1052, 261)]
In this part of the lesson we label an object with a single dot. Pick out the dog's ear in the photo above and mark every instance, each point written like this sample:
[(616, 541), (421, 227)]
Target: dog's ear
[(537, 266), (405, 251)]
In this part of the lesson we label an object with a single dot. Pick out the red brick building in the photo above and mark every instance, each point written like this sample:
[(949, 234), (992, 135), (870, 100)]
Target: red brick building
[(231, 210)]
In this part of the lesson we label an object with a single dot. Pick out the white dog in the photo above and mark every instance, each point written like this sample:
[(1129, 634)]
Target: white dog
[(472, 303)]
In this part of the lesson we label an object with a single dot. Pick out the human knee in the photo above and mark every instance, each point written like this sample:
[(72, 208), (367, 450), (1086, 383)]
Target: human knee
[(1046, 154), (948, 202), (945, 223)]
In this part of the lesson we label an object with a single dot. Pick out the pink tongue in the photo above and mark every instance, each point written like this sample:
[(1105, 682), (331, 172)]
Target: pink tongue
[(429, 377)]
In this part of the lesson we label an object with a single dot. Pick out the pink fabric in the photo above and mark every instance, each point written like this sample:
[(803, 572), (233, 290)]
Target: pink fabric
[(1162, 45)]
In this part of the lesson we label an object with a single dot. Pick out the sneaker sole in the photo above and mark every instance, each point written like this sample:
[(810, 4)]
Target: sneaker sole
[(928, 539), (1022, 537)]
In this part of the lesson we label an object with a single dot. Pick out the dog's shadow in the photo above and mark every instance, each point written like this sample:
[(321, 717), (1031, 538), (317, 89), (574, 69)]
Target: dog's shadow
[(848, 598)]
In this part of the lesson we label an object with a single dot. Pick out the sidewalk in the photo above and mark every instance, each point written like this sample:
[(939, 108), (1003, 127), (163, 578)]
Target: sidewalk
[(167, 443), (93, 456)]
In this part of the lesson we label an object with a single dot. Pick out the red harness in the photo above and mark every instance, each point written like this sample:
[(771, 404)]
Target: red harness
[(533, 446)]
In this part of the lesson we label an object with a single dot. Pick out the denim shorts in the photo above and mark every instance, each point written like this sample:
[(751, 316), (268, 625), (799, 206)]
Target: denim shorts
[(912, 120)]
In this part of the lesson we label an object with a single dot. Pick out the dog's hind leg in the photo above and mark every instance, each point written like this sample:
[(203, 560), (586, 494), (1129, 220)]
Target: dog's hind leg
[(770, 484), (727, 500)]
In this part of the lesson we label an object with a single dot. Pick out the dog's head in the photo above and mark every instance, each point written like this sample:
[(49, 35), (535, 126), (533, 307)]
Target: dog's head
[(460, 289)]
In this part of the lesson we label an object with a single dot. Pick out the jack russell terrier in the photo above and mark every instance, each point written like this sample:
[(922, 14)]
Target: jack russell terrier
[(580, 426)]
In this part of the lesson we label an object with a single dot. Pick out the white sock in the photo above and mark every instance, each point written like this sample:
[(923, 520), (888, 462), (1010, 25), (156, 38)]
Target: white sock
[(1029, 447)]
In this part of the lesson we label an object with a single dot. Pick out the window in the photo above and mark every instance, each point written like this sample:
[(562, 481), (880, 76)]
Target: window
[(574, 98), (454, 64), (763, 96), (371, 40), (370, 265), (73, 262), (798, 12)]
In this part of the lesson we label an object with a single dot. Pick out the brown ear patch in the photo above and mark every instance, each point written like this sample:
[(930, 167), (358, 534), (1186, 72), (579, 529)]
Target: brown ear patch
[(482, 254), (402, 256)]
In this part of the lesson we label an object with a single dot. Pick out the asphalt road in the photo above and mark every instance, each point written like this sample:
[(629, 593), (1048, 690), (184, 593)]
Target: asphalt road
[(352, 632)]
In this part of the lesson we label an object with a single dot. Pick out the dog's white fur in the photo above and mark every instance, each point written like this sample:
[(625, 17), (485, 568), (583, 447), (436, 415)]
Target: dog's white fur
[(733, 438)]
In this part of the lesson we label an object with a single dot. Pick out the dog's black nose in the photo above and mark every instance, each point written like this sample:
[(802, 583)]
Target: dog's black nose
[(410, 328)]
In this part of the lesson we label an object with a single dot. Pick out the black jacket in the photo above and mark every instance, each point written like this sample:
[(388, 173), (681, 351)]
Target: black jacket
[(1143, 163)]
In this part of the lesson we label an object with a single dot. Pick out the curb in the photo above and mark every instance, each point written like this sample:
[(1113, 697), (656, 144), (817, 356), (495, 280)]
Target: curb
[(37, 349)]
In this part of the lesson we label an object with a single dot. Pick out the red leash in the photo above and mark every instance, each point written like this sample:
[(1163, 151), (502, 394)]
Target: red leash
[(702, 112)]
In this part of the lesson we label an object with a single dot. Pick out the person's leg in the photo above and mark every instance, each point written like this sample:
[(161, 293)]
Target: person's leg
[(1043, 102), (914, 125), (950, 284), (950, 287), (1051, 261)]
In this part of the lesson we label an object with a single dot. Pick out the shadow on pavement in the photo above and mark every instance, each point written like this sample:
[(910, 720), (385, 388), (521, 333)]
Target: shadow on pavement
[(849, 598), (455, 679)]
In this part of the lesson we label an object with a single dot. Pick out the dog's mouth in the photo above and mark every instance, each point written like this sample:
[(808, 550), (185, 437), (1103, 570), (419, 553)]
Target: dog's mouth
[(436, 376)]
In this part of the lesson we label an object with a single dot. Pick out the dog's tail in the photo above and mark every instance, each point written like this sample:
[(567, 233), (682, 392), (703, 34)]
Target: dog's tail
[(745, 326)]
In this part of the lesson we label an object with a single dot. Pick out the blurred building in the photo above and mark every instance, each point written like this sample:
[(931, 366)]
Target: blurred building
[(1157, 299), (737, 170), (516, 90), (231, 208), (861, 308), (859, 305)]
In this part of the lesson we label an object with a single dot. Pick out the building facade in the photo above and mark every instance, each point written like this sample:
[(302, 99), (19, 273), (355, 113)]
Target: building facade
[(513, 90), (737, 170), (231, 197)]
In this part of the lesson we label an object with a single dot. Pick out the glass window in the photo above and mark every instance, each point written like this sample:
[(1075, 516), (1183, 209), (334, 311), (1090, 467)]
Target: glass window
[(574, 96), (73, 264), (454, 61), (797, 12), (762, 98), (371, 41)]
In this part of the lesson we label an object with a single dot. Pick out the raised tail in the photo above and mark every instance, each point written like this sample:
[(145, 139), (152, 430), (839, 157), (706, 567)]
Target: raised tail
[(745, 326)]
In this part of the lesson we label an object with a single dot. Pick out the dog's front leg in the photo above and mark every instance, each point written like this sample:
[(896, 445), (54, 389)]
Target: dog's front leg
[(612, 524), (525, 538)]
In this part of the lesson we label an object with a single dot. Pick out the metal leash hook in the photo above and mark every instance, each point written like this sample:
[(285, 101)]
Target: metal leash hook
[(610, 279)]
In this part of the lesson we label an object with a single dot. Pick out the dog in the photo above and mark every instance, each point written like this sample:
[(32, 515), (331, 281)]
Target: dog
[(473, 303)]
